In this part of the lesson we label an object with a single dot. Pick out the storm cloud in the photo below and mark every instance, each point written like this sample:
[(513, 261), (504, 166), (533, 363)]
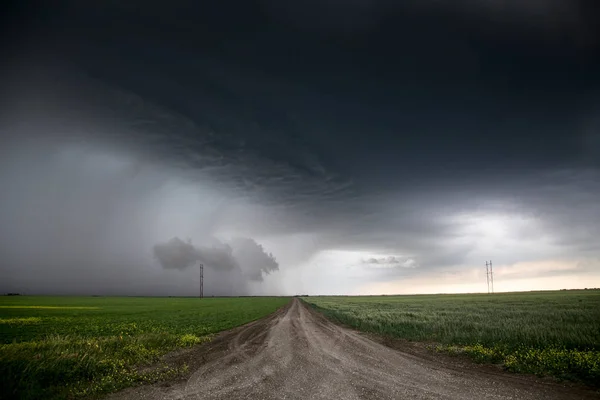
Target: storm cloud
[(390, 262), (373, 147), (240, 254), (176, 254), (253, 259)]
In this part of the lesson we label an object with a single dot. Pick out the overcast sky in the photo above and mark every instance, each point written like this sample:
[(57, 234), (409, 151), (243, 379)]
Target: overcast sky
[(370, 146)]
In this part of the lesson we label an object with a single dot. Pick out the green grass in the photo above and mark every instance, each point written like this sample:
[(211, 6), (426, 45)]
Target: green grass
[(545, 333), (69, 347)]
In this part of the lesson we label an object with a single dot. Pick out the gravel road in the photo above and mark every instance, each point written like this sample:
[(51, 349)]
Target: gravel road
[(298, 354)]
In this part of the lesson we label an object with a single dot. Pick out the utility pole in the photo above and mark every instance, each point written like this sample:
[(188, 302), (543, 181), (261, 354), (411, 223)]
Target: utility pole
[(201, 280)]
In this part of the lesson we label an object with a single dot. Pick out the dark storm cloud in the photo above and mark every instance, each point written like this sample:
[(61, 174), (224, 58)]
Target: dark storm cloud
[(375, 126), (175, 254), (253, 258), (218, 255), (244, 255), (355, 18)]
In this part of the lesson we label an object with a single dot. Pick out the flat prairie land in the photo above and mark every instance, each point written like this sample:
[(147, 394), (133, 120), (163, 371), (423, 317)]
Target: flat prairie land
[(67, 347), (546, 333)]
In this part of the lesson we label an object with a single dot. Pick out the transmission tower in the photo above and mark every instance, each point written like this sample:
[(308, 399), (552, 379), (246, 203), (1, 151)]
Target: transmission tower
[(201, 280), (489, 272)]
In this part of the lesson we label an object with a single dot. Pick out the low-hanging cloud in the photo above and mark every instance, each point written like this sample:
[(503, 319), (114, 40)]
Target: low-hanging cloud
[(253, 258), (242, 255), (383, 260), (176, 254), (390, 262), (218, 255)]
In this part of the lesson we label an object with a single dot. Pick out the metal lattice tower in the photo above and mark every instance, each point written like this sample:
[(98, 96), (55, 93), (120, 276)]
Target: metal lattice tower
[(201, 280), (489, 273)]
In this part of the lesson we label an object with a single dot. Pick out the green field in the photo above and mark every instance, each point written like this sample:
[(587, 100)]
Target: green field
[(64, 347), (546, 333)]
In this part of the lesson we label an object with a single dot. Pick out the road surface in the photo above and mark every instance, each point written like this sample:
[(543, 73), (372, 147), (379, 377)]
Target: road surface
[(298, 354)]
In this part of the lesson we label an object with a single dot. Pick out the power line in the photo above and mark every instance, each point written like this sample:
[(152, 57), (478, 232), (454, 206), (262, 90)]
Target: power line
[(492, 276), (487, 276)]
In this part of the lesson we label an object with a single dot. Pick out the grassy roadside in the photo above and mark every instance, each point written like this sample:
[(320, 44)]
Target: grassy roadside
[(545, 333), (71, 347)]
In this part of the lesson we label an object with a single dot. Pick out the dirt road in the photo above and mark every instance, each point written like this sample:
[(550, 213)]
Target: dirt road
[(298, 354)]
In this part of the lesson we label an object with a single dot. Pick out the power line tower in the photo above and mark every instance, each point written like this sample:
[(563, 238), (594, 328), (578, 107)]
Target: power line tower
[(487, 275), (201, 280), (489, 272)]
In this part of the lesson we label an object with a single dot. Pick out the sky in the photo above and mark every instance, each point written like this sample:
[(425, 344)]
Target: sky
[(299, 147)]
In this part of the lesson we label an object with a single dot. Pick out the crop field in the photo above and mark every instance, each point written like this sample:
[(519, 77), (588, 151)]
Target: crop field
[(67, 347), (545, 333)]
